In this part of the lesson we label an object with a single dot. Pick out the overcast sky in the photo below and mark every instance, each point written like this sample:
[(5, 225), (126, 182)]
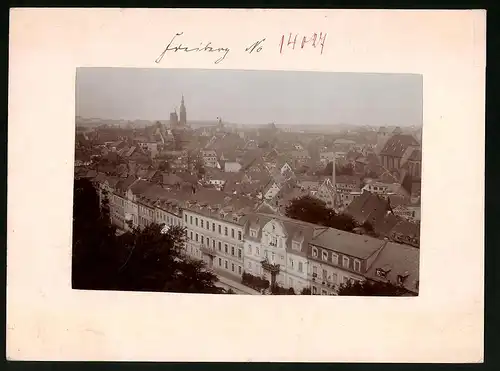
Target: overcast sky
[(254, 97)]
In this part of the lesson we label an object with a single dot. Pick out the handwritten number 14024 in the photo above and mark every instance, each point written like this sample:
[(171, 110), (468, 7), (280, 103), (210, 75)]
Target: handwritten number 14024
[(294, 41)]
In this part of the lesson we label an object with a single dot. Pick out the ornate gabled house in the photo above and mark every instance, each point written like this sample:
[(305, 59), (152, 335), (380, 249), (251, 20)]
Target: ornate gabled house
[(276, 249)]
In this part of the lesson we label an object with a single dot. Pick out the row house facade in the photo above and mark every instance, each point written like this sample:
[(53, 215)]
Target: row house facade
[(215, 235), (337, 257), (286, 252)]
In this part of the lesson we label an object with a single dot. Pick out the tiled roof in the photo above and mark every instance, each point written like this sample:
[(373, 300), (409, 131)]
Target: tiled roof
[(347, 179), (406, 228), (359, 246), (397, 145), (416, 155), (384, 225), (367, 207), (171, 179), (397, 260), (220, 206)]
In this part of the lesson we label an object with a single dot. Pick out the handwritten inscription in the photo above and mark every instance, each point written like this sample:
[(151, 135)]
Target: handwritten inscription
[(256, 46), (291, 42), (208, 48), (295, 41)]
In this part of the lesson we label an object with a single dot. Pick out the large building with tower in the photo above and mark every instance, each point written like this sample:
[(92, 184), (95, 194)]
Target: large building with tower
[(179, 121)]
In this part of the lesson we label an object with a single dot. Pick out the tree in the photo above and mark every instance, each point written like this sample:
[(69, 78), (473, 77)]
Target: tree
[(308, 209), (370, 288), (156, 262), (312, 210), (94, 255)]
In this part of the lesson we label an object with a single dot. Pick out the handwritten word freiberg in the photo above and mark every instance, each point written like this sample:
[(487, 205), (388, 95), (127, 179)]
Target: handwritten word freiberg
[(294, 41), (207, 48)]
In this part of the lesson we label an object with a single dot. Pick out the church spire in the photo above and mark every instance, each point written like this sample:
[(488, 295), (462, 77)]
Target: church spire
[(182, 112)]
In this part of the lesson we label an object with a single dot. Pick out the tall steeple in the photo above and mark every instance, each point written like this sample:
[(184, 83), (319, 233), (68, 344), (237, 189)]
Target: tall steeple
[(182, 113)]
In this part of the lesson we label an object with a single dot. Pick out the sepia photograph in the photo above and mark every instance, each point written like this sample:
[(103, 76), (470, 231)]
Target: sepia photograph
[(247, 182)]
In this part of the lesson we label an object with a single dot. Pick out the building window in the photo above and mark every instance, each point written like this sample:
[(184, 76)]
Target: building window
[(232, 232), (201, 222), (225, 248), (314, 252), (252, 233), (257, 252), (335, 259), (232, 267), (191, 220), (220, 246), (213, 244), (239, 235), (301, 267), (325, 275), (202, 239), (357, 265), (196, 237), (220, 229), (291, 262), (315, 271), (213, 227), (324, 255), (225, 264), (220, 262), (232, 250), (239, 253), (225, 231), (345, 262), (208, 242), (196, 221), (249, 249), (191, 233), (334, 278), (239, 269)]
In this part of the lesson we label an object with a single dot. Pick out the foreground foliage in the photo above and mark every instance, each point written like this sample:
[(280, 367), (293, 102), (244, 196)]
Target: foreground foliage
[(138, 260)]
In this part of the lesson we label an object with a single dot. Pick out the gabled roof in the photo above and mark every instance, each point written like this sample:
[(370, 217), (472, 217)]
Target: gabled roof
[(367, 207), (397, 145), (397, 260), (294, 230)]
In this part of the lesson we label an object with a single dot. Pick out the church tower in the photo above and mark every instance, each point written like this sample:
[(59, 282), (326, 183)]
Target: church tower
[(182, 113)]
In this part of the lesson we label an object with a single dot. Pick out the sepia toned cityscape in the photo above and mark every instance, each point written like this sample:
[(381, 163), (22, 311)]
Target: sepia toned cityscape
[(239, 182)]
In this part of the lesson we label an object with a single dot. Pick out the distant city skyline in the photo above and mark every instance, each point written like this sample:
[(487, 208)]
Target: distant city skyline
[(251, 97)]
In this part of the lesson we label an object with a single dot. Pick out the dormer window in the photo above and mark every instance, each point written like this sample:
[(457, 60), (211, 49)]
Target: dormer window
[(296, 245), (253, 233), (402, 278), (335, 259), (324, 255), (357, 265), (345, 262), (381, 273), (314, 252)]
